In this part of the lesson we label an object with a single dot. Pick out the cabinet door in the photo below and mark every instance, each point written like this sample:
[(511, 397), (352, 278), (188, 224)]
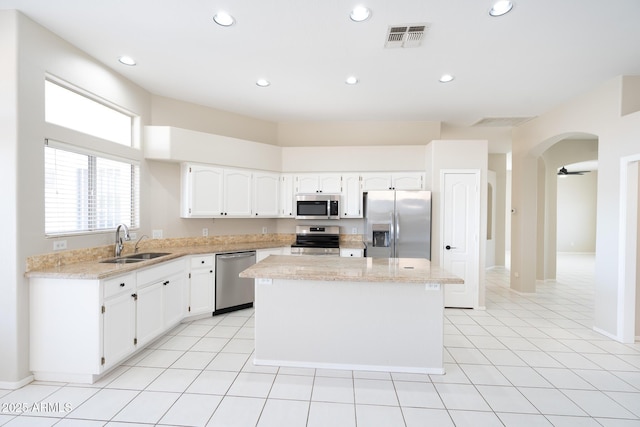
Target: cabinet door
[(372, 182), (408, 181), (173, 302), (286, 196), (119, 328), (330, 183), (237, 192), (149, 313), (201, 295), (307, 183), (351, 196), (202, 191), (265, 194)]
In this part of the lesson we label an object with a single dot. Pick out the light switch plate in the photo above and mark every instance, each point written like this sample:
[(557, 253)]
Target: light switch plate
[(157, 234), (59, 245)]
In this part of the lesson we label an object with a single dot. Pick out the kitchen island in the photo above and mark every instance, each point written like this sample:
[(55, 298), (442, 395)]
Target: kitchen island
[(350, 313)]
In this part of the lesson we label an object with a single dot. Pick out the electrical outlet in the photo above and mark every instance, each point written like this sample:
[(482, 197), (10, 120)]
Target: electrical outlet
[(205, 232), (59, 245), (354, 230), (157, 234), (264, 230), (133, 235)]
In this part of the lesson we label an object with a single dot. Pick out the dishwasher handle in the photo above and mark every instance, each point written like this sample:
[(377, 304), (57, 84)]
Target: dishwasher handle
[(236, 255)]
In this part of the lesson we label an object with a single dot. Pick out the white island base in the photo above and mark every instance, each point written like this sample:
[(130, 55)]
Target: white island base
[(353, 325)]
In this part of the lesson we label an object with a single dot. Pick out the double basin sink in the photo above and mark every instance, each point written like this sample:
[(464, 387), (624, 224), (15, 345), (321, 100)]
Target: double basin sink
[(135, 258)]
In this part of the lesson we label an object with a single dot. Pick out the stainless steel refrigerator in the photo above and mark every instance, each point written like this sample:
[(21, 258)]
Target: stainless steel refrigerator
[(398, 224)]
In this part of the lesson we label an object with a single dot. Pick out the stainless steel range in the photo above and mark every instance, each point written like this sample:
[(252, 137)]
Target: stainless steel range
[(316, 240)]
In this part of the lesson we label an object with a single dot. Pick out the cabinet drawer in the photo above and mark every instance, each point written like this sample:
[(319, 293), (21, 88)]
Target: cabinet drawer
[(202, 261), (119, 284), (351, 252), (160, 272)]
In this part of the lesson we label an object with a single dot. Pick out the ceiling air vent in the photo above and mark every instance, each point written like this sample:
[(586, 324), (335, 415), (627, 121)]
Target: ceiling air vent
[(409, 35)]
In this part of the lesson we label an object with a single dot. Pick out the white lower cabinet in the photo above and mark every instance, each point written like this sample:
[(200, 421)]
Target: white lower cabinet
[(81, 328), (351, 252), (202, 285), (119, 328)]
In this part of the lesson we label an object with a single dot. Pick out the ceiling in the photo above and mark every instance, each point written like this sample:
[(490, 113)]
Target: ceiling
[(541, 54)]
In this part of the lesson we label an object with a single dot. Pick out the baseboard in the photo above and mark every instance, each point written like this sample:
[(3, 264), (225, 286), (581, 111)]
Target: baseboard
[(17, 384), (350, 367), (524, 294), (607, 334)]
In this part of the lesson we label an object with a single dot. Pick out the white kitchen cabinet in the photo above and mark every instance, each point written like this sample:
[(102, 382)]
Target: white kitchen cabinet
[(202, 285), (209, 191), (286, 195), (408, 180), (202, 191), (174, 303), (266, 189), (351, 252), (392, 181), (119, 319), (351, 200), (237, 193), (149, 313), (319, 183)]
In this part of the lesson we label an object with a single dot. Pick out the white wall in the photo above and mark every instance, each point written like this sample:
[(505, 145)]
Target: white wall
[(596, 113), (577, 197), (30, 52)]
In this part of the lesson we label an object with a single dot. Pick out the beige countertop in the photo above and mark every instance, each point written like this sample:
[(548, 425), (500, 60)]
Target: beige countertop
[(326, 268), (94, 269)]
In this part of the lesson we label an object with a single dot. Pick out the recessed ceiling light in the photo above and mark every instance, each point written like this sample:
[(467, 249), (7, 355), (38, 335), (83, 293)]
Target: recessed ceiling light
[(501, 7), (127, 60), (223, 19), (446, 78), (351, 80), (263, 82), (360, 13)]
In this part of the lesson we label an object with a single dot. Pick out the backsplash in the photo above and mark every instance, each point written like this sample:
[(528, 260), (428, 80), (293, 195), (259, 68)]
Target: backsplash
[(60, 258)]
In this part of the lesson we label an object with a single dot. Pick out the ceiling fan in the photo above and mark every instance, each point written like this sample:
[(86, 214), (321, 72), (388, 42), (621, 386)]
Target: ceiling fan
[(563, 171)]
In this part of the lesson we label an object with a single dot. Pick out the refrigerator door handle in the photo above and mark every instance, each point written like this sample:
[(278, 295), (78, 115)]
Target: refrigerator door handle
[(392, 243), (397, 227)]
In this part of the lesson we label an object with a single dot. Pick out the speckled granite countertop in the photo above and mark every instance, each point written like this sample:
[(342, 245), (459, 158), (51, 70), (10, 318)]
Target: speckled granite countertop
[(325, 268), (94, 269)]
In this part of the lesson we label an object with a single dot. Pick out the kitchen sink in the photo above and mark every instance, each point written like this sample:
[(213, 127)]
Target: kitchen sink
[(121, 260), (135, 258), (146, 255)]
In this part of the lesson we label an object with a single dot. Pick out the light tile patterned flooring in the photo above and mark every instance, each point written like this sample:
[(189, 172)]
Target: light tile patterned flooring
[(526, 361)]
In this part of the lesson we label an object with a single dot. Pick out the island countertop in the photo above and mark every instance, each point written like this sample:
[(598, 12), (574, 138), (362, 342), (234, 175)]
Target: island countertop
[(342, 269)]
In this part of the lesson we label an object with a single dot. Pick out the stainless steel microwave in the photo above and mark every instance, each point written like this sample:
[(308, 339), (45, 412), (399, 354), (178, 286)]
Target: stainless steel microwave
[(317, 206)]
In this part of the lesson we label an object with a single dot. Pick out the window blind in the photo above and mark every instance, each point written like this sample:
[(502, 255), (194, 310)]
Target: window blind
[(87, 193)]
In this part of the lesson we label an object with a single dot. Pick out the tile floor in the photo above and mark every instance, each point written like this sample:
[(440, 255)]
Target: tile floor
[(525, 361)]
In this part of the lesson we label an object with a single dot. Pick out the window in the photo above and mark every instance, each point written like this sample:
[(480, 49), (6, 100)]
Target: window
[(86, 192), (69, 109)]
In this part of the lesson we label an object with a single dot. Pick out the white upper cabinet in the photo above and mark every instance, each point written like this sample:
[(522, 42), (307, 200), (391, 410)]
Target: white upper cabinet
[(286, 194), (209, 191), (393, 181), (202, 191), (319, 183), (407, 180), (237, 192), (266, 189), (351, 200)]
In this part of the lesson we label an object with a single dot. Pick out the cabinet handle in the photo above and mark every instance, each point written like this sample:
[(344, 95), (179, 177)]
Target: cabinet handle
[(202, 262), (122, 285), (210, 271), (165, 283), (135, 296)]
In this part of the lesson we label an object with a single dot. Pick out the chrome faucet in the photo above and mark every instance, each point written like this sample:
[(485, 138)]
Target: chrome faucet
[(135, 249), (119, 245)]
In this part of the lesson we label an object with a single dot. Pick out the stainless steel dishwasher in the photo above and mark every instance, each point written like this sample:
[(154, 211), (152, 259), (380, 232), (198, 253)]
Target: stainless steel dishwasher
[(233, 292)]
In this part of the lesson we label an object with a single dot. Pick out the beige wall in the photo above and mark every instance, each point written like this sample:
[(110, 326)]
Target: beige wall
[(596, 113), (498, 164), (577, 198), (30, 52), (357, 133)]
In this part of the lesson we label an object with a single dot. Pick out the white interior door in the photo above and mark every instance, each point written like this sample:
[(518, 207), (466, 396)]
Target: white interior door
[(460, 239)]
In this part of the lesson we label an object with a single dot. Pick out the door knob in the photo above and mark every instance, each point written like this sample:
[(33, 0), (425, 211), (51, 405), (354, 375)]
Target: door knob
[(449, 247)]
